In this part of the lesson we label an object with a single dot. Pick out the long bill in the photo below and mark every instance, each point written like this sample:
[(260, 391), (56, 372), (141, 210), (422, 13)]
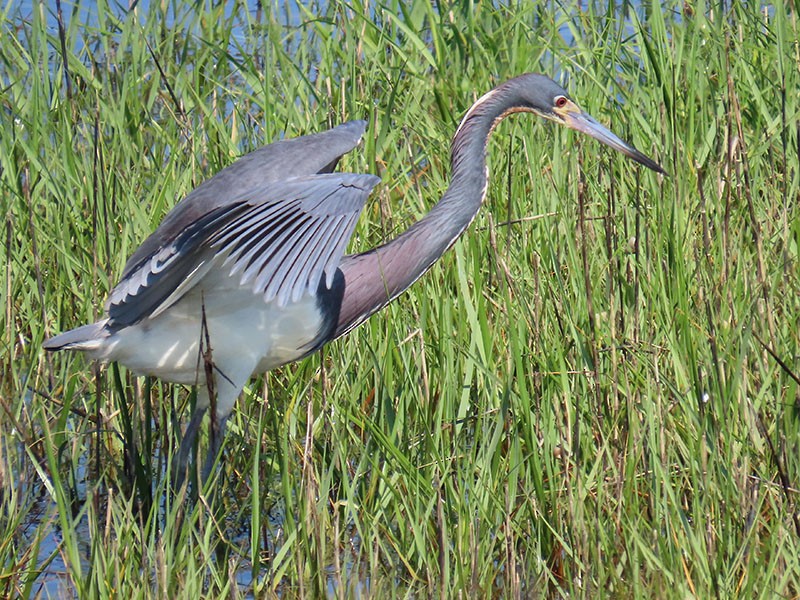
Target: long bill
[(581, 121)]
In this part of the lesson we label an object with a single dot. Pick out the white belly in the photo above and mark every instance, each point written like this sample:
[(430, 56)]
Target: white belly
[(247, 335)]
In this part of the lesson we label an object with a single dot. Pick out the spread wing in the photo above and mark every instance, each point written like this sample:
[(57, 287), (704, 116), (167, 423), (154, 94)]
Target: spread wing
[(279, 161), (279, 239)]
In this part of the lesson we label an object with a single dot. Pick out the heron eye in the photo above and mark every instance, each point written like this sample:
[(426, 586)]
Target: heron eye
[(560, 101)]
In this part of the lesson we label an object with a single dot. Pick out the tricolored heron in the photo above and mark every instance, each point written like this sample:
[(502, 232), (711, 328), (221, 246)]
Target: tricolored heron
[(249, 269)]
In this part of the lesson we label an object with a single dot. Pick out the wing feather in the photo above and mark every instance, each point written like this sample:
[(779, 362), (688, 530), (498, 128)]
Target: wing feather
[(271, 251), (280, 240)]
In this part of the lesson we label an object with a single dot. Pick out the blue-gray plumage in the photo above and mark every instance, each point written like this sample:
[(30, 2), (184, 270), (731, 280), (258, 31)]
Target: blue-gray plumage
[(257, 254)]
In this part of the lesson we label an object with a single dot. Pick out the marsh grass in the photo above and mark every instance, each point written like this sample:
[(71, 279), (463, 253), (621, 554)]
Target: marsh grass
[(595, 393)]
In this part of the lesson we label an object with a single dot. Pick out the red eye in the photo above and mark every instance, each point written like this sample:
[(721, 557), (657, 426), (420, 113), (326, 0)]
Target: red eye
[(560, 101)]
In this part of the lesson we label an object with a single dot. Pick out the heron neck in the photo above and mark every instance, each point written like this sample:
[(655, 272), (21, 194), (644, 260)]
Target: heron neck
[(375, 278)]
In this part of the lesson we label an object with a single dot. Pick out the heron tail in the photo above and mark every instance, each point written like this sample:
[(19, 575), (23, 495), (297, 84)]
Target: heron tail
[(86, 337)]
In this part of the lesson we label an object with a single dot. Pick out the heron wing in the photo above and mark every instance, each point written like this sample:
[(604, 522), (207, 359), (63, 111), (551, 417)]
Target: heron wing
[(280, 240), (279, 161)]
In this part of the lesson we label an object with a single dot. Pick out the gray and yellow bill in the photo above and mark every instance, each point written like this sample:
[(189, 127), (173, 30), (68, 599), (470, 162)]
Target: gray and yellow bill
[(580, 121)]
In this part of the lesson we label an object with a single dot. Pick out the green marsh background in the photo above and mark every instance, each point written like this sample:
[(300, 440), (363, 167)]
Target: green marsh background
[(595, 393)]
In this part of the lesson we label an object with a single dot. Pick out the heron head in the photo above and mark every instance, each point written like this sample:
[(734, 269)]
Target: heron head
[(543, 96)]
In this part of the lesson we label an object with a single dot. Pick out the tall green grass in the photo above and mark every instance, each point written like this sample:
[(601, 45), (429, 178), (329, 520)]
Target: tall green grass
[(595, 393)]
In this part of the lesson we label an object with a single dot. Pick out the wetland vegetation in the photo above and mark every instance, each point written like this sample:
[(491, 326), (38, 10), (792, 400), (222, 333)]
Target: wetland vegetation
[(595, 393)]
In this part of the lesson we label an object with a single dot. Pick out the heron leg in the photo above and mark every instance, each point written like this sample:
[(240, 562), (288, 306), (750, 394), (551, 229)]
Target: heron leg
[(180, 468), (218, 427)]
